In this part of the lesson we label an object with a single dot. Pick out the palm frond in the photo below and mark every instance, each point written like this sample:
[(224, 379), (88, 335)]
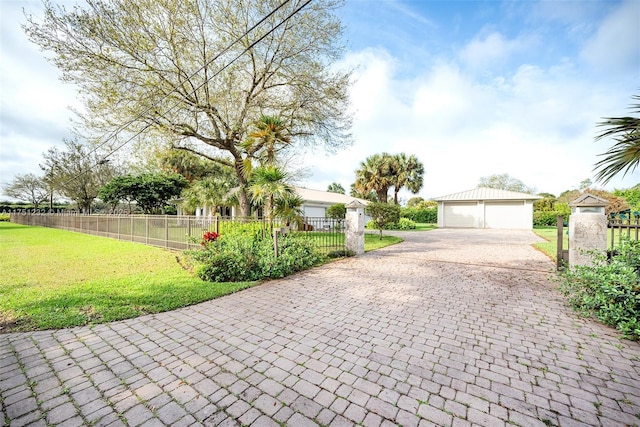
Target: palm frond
[(624, 156)]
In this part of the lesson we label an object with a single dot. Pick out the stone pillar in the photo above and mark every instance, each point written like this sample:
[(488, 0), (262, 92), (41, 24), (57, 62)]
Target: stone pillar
[(354, 235), (587, 228)]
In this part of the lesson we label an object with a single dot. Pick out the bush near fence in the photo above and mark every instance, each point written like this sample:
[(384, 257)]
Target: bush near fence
[(243, 256)]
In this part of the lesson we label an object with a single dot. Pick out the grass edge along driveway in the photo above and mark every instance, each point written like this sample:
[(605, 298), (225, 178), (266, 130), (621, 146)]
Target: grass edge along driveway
[(52, 279)]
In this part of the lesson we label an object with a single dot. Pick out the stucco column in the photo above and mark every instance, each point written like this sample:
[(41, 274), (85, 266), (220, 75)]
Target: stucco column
[(587, 228), (354, 235)]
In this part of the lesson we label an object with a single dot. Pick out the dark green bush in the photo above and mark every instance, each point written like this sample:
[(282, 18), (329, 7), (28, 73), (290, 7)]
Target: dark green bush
[(295, 253), (250, 256), (341, 253), (608, 289)]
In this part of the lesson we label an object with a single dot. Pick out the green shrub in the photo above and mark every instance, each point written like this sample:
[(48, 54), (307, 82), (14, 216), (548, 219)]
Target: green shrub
[(608, 289), (242, 256), (405, 224), (295, 253), (383, 215), (417, 214), (545, 218), (338, 211), (340, 253), (230, 258), (5, 217), (402, 224)]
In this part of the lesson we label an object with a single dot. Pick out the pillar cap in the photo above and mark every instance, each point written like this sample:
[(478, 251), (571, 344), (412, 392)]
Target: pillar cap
[(589, 200), (354, 204)]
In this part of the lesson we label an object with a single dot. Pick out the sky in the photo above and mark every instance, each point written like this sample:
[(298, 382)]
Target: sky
[(471, 88)]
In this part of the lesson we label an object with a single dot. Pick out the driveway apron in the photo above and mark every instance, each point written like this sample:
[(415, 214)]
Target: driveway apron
[(449, 328)]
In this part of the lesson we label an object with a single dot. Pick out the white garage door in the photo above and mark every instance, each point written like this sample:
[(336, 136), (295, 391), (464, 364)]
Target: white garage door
[(460, 214), (504, 215), (314, 211)]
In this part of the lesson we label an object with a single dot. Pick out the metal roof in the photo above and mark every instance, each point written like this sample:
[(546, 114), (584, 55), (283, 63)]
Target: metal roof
[(483, 193), (319, 196)]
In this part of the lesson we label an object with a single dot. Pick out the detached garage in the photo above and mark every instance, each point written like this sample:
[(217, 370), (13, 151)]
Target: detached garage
[(486, 208)]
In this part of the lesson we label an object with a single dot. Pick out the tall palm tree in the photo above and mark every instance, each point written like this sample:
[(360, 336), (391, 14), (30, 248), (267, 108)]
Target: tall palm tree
[(624, 155), (406, 172), (375, 174), (269, 183)]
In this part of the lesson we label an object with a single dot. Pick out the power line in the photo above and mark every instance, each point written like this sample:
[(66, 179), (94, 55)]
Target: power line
[(175, 88), (216, 73)]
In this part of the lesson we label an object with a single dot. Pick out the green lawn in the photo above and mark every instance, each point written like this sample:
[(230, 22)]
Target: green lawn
[(421, 226), (373, 242), (550, 234), (52, 279)]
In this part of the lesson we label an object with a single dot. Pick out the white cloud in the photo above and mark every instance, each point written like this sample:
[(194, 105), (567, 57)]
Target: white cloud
[(483, 52), (616, 44), (536, 124), (34, 105)]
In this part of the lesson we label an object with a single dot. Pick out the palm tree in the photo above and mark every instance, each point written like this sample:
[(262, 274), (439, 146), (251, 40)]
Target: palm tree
[(209, 192), (289, 209), (407, 172), (336, 187), (267, 140), (370, 196), (268, 183), (624, 155), (375, 174)]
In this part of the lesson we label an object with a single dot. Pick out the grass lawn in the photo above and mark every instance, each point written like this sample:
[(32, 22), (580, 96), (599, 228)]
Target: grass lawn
[(422, 226), (550, 234), (372, 241), (51, 279)]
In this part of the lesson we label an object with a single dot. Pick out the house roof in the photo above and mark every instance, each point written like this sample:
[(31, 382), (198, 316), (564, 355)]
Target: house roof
[(319, 196), (483, 193)]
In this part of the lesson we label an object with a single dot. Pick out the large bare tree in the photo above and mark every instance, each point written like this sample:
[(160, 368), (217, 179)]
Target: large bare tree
[(160, 67), (77, 173), (28, 188)]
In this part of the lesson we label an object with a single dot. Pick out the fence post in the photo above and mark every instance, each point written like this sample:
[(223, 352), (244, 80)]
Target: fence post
[(146, 229), (166, 231), (275, 242), (559, 251), (354, 237)]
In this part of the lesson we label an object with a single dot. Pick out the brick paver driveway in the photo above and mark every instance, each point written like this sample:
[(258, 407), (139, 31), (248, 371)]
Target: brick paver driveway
[(449, 328)]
